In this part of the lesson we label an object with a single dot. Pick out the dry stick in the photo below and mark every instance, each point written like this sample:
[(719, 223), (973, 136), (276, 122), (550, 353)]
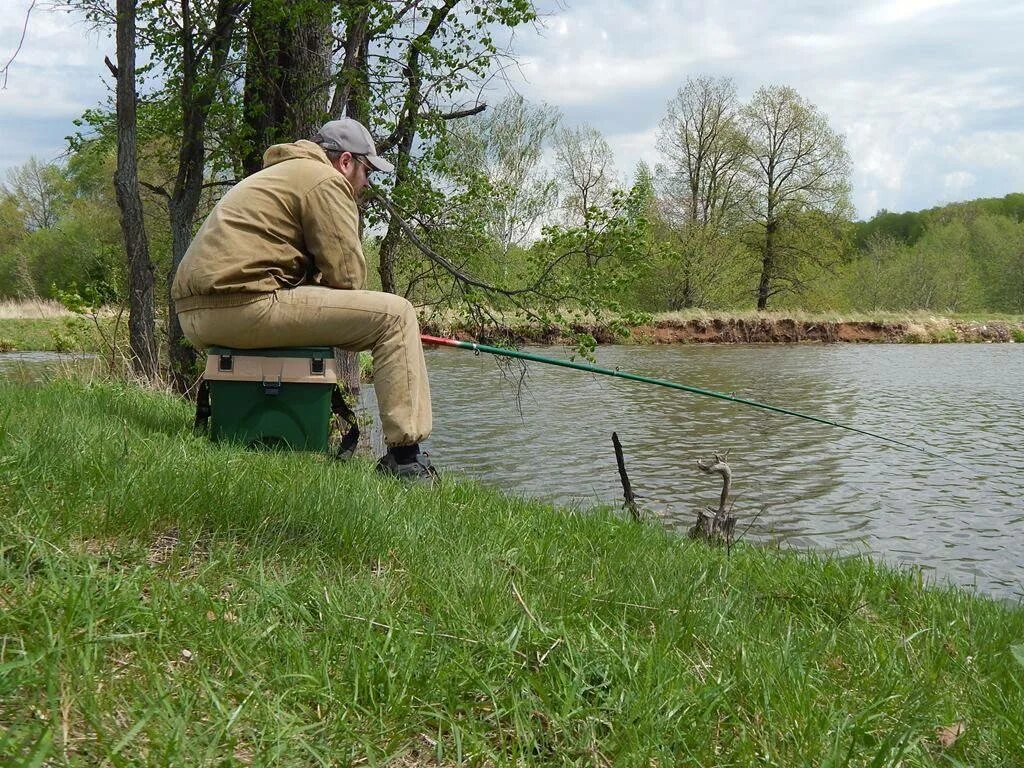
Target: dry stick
[(719, 527), (627, 488), (522, 603)]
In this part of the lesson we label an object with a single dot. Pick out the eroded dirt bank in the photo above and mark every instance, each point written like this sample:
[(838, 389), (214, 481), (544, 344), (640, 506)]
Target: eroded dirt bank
[(772, 330), (788, 331)]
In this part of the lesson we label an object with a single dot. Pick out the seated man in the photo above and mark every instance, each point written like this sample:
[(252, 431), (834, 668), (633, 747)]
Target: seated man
[(279, 263)]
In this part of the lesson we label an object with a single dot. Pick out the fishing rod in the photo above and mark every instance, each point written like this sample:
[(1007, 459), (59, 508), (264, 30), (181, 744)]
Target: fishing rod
[(515, 353)]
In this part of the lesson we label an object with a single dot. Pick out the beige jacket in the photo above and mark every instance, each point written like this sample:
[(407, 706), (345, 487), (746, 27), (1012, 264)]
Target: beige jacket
[(295, 222)]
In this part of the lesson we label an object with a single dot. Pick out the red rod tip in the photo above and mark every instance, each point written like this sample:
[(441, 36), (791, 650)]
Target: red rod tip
[(439, 340)]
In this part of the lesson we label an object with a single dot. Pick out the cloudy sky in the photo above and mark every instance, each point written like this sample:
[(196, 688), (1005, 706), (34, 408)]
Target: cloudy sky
[(929, 93)]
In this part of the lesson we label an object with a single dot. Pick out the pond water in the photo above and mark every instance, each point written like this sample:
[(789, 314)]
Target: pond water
[(803, 484), (546, 432), (36, 366)]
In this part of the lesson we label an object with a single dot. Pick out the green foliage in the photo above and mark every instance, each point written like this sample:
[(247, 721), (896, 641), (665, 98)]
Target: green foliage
[(956, 265), (905, 228)]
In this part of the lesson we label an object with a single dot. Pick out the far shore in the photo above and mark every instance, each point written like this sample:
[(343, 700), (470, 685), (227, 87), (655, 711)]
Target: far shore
[(750, 328), (46, 326)]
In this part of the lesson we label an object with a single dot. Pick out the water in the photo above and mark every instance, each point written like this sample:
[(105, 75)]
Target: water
[(37, 366), (804, 484)]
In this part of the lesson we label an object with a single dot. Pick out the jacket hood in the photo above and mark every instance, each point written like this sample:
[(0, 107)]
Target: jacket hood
[(302, 149)]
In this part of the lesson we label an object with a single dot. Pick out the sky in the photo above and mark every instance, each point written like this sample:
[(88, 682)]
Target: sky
[(929, 94)]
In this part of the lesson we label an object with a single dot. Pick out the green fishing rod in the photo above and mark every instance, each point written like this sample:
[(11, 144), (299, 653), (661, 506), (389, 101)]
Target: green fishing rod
[(515, 353)]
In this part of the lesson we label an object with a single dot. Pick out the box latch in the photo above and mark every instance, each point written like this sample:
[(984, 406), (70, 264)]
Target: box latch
[(316, 366), (225, 363), (272, 387)]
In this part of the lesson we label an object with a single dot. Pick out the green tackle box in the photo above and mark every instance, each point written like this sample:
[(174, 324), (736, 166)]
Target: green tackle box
[(271, 397)]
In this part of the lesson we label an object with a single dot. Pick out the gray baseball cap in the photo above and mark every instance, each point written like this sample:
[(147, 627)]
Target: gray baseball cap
[(348, 135)]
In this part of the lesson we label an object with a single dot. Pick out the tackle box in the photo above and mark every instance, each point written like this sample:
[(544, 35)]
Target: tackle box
[(271, 397)]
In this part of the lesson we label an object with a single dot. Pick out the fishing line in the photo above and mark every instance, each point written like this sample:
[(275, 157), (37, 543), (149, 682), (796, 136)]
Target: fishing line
[(503, 352)]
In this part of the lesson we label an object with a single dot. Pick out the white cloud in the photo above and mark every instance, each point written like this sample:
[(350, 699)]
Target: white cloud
[(990, 149), (922, 89), (958, 181), (590, 76), (899, 11), (57, 74)]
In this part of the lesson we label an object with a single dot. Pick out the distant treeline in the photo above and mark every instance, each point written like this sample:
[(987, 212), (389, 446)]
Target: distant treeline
[(961, 257), (908, 227)]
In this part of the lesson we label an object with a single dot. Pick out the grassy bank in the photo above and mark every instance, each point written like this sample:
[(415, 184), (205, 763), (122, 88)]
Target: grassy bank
[(166, 601), (54, 334)]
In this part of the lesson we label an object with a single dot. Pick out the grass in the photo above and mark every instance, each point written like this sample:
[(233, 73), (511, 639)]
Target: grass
[(72, 333), (32, 308), (905, 317), (168, 601)]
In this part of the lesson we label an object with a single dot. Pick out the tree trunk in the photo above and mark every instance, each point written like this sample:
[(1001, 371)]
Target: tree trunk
[(287, 72), (262, 97), (393, 238), (202, 67), (141, 303), (352, 92), (767, 265), (180, 352)]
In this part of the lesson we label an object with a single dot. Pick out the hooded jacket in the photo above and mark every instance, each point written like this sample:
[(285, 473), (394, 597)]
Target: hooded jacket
[(293, 223)]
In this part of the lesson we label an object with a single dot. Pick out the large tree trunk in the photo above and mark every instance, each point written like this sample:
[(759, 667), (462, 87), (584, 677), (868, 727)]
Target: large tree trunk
[(352, 91), (287, 74), (141, 304), (393, 238)]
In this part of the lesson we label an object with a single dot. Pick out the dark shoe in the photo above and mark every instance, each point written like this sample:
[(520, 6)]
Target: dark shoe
[(418, 472)]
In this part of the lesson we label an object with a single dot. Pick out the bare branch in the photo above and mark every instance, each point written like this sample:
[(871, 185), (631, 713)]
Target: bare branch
[(24, 28), (158, 190), (460, 113)]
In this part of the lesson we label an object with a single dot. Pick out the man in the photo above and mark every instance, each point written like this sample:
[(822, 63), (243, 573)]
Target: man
[(279, 263)]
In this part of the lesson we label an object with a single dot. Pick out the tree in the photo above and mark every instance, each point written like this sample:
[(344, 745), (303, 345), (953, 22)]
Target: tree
[(12, 233), (704, 149), (189, 42), (287, 71), (40, 192), (444, 52), (701, 193), (795, 165), (586, 171), (503, 149), (141, 304), (997, 247)]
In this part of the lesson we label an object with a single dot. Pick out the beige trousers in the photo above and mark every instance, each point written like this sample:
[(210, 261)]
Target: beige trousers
[(314, 316)]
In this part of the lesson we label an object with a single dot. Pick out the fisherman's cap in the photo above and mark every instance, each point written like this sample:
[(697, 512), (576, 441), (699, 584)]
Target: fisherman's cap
[(348, 135)]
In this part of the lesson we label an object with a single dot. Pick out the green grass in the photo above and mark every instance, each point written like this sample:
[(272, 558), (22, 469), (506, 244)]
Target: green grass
[(56, 334), (166, 601)]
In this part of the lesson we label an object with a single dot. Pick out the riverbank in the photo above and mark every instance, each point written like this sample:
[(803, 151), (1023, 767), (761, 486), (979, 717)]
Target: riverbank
[(763, 328), (45, 328), (166, 600)]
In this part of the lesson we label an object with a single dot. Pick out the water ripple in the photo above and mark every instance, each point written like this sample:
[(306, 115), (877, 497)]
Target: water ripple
[(820, 487)]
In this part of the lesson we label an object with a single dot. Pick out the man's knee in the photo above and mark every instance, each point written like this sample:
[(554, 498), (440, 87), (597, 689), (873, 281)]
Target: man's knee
[(402, 310)]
